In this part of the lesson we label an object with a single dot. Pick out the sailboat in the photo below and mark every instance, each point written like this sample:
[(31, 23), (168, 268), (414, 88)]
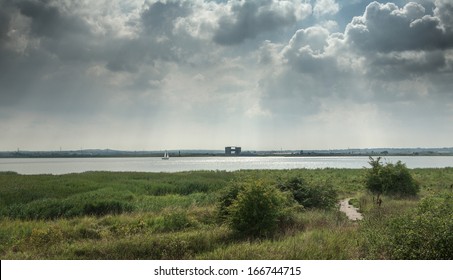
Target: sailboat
[(166, 156)]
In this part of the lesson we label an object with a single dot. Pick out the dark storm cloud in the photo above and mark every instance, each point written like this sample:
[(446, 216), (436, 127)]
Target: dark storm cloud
[(155, 40), (127, 56), (248, 19), (4, 25), (6, 60), (49, 21), (406, 65), (158, 18), (59, 49), (40, 40), (386, 28), (57, 31), (18, 75)]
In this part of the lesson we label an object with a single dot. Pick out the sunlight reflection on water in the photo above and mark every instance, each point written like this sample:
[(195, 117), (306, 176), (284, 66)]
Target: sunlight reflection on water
[(175, 164)]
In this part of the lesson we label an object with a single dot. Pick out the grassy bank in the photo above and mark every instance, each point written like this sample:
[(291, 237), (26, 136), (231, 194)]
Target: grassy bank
[(127, 215)]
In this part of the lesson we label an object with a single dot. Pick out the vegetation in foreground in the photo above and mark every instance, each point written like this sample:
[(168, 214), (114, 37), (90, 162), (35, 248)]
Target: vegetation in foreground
[(265, 214)]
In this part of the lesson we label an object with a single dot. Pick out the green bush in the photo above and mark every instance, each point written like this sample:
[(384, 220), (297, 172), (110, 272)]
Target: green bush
[(227, 198), (316, 196), (390, 179), (425, 233), (258, 210)]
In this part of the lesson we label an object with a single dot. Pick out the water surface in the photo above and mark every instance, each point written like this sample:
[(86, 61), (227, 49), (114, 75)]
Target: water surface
[(175, 164)]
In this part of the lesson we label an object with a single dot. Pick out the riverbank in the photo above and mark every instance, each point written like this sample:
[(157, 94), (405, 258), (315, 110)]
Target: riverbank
[(138, 215)]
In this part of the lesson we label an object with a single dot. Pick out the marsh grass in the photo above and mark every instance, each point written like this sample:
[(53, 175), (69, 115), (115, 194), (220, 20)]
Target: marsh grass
[(133, 215), (317, 244), (113, 236)]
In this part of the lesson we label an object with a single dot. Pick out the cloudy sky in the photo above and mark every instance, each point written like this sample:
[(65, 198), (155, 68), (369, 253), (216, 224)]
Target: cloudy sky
[(261, 74)]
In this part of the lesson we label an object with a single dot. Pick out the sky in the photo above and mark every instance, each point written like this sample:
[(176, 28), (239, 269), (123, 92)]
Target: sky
[(205, 74)]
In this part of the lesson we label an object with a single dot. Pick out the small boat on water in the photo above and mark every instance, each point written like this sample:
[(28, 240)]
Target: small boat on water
[(166, 156)]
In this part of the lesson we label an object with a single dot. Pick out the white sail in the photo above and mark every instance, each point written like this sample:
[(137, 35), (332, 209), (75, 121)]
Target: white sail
[(166, 155)]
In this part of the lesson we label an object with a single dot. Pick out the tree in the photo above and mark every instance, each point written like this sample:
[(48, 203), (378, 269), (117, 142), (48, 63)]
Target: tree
[(390, 179), (374, 177)]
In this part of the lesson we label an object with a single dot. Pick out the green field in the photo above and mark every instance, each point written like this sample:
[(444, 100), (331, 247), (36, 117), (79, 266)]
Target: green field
[(119, 215)]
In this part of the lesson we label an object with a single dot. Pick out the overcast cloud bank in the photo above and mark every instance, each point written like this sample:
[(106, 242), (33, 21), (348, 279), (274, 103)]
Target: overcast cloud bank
[(268, 74)]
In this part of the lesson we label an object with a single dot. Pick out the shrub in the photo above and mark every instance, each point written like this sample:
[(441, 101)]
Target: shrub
[(317, 196), (227, 198), (425, 233), (257, 210), (390, 179)]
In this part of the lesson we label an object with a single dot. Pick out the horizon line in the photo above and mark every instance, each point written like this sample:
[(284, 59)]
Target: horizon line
[(207, 149)]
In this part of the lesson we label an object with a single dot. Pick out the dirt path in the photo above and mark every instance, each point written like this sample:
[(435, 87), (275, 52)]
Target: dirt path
[(349, 210)]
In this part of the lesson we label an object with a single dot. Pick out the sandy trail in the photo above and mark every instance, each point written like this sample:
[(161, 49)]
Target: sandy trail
[(350, 211)]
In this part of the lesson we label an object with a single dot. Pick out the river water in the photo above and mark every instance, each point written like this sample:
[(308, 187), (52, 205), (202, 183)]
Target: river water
[(175, 164)]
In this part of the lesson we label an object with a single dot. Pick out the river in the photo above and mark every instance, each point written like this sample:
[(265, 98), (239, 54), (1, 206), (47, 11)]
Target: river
[(175, 164)]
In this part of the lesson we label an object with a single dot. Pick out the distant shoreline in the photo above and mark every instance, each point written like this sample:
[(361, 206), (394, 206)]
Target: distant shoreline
[(127, 154)]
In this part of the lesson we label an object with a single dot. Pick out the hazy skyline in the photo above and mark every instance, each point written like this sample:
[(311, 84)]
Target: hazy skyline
[(200, 74)]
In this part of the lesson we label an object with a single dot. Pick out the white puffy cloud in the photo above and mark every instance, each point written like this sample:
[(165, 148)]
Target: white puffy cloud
[(382, 58), (386, 28), (444, 11), (325, 7), (401, 46)]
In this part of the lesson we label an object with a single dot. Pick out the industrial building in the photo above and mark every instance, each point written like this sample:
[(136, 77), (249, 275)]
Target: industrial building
[(232, 150)]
